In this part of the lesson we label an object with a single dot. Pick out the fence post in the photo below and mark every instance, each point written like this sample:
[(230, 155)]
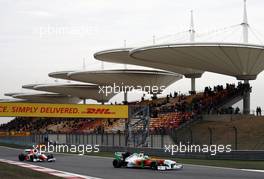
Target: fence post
[(92, 139), (235, 130), (134, 140), (162, 141), (113, 142), (191, 135), (76, 139), (66, 138), (119, 139), (175, 136), (102, 139), (106, 139), (210, 135), (151, 141), (126, 139)]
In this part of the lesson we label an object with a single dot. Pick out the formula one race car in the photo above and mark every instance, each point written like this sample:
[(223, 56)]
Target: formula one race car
[(139, 160), (33, 155)]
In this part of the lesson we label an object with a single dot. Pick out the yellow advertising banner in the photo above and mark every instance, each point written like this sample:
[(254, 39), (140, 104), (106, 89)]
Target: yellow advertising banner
[(63, 110)]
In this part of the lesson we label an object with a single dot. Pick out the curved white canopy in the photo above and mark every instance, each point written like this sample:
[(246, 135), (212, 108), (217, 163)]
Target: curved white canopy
[(122, 56), (47, 98), (126, 77), (60, 75), (82, 91), (243, 61), (30, 86), (12, 100), (12, 94)]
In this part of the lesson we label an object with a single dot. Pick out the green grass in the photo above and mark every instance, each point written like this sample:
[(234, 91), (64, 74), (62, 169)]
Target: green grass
[(8, 171)]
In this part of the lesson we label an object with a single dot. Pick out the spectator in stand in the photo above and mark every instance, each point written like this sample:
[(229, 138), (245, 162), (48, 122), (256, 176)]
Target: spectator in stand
[(237, 110), (258, 110), (175, 94), (168, 99)]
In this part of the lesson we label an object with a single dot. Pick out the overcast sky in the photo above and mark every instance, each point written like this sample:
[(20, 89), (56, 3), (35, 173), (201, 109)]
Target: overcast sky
[(42, 36)]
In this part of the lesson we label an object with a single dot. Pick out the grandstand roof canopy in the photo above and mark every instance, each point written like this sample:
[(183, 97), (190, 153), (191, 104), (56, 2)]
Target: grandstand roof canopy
[(83, 91), (47, 98), (60, 75), (244, 61), (12, 94), (122, 56), (126, 77), (30, 86), (12, 100), (123, 77)]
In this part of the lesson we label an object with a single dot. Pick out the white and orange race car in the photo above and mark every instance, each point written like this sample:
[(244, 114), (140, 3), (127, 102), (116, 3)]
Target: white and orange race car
[(140, 160), (34, 155)]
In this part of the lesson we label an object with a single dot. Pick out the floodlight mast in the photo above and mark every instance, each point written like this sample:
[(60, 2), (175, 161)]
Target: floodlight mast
[(125, 67), (245, 26), (84, 68), (192, 39), (125, 44), (245, 23), (191, 30)]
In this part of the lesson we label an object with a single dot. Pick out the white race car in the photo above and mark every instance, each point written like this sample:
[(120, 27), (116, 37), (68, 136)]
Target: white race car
[(34, 155), (139, 160)]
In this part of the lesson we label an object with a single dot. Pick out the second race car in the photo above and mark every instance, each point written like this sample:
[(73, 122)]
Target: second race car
[(34, 155)]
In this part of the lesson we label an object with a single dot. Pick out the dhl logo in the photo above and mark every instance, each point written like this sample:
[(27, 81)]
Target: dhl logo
[(99, 111)]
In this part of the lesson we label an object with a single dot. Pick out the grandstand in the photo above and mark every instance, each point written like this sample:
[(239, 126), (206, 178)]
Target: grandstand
[(166, 114)]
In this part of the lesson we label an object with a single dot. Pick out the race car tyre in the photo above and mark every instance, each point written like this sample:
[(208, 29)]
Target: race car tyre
[(153, 166), (117, 163), (32, 157), (21, 157), (50, 156)]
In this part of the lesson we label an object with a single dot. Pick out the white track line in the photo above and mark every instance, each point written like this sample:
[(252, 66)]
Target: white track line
[(251, 170), (48, 171)]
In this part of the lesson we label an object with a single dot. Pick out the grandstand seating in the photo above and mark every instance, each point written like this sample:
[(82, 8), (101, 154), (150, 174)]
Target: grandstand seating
[(166, 114)]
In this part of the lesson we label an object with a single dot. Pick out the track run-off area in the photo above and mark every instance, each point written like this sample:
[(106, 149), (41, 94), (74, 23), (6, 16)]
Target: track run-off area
[(101, 167)]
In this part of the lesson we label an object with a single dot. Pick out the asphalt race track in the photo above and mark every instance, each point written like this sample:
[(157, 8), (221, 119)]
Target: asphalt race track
[(102, 168)]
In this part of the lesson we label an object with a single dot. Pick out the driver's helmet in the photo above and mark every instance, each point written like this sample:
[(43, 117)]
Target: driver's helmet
[(146, 157), (141, 155)]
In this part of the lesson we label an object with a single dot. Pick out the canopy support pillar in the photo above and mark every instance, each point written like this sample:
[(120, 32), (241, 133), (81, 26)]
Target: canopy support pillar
[(192, 84), (246, 99), (125, 97)]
